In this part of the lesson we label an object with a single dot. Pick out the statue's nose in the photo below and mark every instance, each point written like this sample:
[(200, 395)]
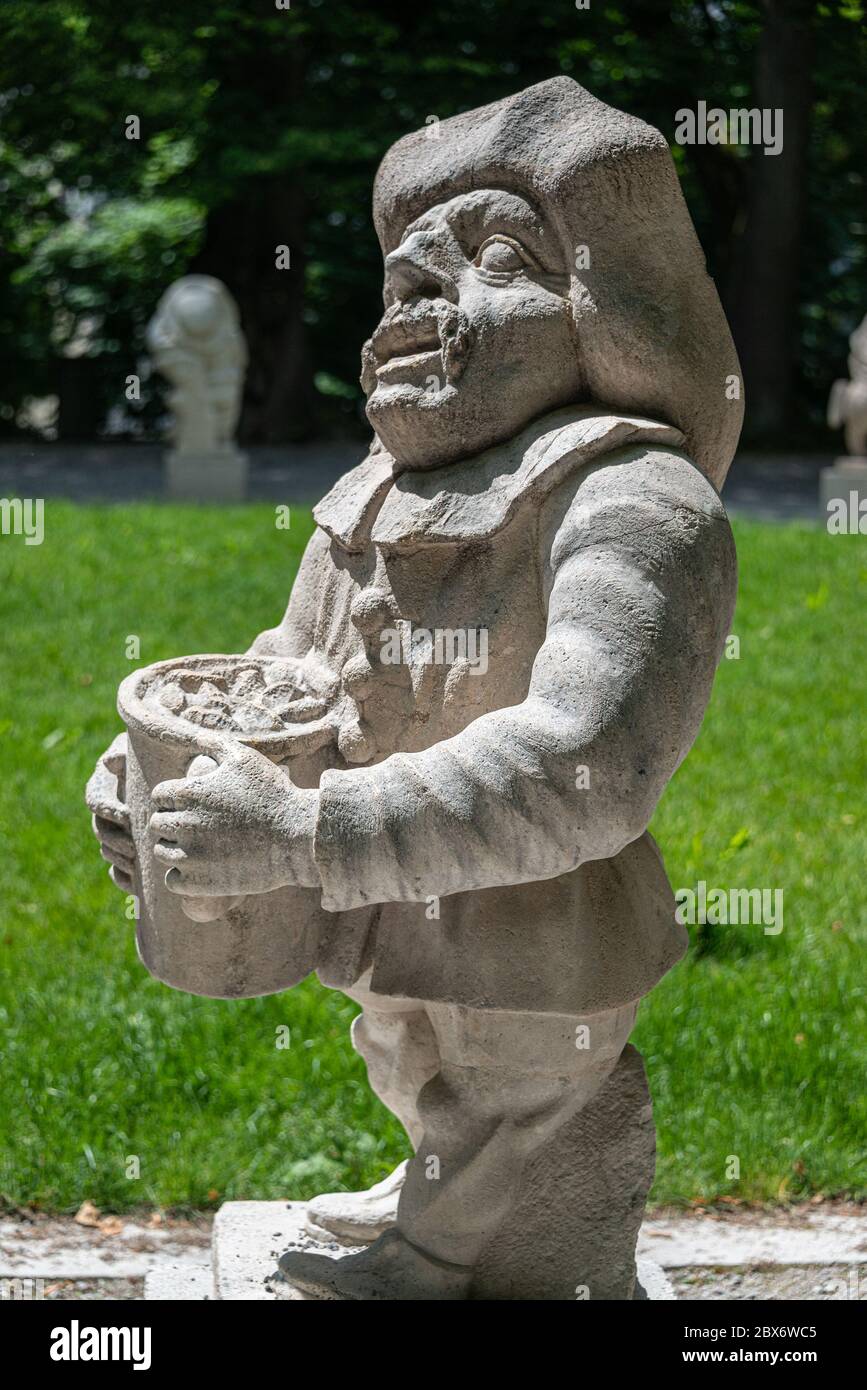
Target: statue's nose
[(411, 272)]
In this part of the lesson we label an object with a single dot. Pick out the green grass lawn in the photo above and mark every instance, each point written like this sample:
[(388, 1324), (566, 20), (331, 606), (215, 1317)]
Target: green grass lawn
[(755, 1044)]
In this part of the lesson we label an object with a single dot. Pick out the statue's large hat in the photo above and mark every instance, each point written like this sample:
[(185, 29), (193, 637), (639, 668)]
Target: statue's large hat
[(651, 333)]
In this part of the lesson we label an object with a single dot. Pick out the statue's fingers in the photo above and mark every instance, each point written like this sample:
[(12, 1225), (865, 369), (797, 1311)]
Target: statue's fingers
[(112, 838), (121, 879), (175, 881), (114, 756), (100, 824), (193, 880), (169, 852), (99, 783), (176, 795), (169, 825), (119, 861), (101, 798)]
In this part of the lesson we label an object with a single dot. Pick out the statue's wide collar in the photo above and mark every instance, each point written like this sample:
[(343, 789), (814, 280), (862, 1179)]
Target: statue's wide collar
[(476, 497)]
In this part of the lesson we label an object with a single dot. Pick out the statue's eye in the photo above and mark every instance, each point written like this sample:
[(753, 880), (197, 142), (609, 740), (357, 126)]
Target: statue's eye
[(500, 253)]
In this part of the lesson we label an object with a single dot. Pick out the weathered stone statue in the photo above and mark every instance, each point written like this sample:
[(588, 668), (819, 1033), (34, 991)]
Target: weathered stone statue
[(196, 341), (431, 782), (847, 405), (843, 486)]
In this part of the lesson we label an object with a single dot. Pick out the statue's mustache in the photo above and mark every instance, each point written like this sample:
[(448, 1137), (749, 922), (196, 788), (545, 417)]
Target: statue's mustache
[(422, 326)]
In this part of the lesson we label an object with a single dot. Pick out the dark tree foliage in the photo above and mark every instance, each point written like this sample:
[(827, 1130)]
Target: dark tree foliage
[(263, 126)]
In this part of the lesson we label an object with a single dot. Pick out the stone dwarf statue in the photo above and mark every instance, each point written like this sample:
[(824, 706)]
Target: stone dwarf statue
[(847, 404), (473, 862), (196, 341)]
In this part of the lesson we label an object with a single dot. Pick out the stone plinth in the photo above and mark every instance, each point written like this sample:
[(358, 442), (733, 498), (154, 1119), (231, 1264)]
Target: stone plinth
[(217, 477), (248, 1238), (846, 476)]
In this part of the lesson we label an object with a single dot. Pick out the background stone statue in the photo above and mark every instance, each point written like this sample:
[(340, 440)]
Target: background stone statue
[(843, 486), (847, 404), (461, 845), (197, 344)]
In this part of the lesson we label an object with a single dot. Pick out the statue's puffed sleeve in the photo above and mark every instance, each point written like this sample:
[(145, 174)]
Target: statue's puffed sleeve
[(639, 576)]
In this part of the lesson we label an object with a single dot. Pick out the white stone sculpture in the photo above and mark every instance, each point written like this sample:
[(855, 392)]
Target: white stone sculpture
[(843, 486), (196, 341), (847, 404), (431, 782)]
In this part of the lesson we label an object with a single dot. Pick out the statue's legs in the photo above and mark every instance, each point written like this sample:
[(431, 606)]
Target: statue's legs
[(508, 1082), (397, 1041), (514, 1098), (573, 1230)]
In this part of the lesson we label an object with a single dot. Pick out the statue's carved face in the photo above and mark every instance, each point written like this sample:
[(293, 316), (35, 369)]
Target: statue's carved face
[(476, 339)]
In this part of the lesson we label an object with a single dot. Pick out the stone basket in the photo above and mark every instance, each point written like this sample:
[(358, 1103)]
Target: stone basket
[(222, 947)]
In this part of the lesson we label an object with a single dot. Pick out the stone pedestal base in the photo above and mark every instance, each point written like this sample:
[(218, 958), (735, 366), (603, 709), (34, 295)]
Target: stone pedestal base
[(248, 1238), (218, 477), (846, 481), (571, 1235)]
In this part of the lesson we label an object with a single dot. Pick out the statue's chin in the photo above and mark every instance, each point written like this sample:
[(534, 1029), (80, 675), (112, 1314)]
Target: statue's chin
[(418, 426), (427, 429)]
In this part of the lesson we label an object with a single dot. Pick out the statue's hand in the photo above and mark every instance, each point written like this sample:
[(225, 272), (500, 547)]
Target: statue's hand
[(242, 828), (111, 823)]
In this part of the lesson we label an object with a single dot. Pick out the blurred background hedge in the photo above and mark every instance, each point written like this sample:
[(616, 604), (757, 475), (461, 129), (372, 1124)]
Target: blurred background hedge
[(263, 127)]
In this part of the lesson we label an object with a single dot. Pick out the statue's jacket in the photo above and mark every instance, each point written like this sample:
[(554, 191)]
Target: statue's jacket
[(487, 845)]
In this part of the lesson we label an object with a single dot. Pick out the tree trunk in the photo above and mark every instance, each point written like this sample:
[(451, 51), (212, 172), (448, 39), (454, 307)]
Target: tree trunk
[(240, 248), (762, 297)]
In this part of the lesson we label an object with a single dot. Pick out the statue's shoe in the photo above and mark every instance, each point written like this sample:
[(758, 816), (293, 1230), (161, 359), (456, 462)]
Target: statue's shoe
[(391, 1269), (356, 1218)]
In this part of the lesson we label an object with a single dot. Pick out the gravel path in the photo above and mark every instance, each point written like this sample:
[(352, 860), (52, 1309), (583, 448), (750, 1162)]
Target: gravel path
[(815, 1251), (827, 1283)]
